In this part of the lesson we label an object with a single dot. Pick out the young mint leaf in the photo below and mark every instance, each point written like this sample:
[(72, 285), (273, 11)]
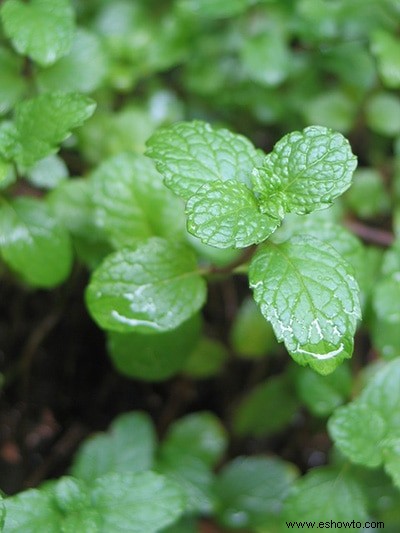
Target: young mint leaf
[(33, 243), (41, 29), (308, 293), (326, 494), (198, 435), (128, 446), (32, 511), (12, 83), (137, 502), (226, 214), (154, 357), (82, 70), (305, 171), (154, 288), (251, 492), (190, 154), (131, 202), (268, 408), (42, 123), (367, 430)]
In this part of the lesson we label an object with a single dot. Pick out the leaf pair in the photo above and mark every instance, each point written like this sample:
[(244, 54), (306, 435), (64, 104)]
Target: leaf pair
[(235, 196)]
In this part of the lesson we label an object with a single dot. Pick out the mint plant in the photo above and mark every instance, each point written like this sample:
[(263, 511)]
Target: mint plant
[(190, 257), (236, 197)]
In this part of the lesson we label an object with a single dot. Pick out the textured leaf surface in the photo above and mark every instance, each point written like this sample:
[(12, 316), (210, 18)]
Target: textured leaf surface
[(251, 491), (153, 288), (306, 170), (128, 446), (154, 357), (41, 29), (42, 123), (131, 202), (226, 214), (326, 494), (190, 154), (308, 293), (367, 430), (33, 243)]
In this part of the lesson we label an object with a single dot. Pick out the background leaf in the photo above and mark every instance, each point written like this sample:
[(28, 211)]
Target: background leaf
[(42, 29)]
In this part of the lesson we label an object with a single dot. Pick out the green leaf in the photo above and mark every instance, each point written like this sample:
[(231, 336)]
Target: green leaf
[(326, 494), (185, 525), (251, 335), (367, 430), (136, 502), (206, 360), (48, 172), (72, 499), (226, 214), (154, 357), (383, 114), (190, 154), (128, 446), (131, 202), (385, 302), (322, 394), (156, 287), (266, 57), (195, 480), (211, 9), (251, 491), (31, 511), (268, 408), (386, 48), (12, 84), (367, 197), (33, 243), (305, 171), (198, 435), (42, 123), (82, 70), (333, 108), (192, 446), (42, 29), (308, 293)]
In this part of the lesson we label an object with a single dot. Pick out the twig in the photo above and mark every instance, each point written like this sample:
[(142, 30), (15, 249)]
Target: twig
[(372, 235)]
